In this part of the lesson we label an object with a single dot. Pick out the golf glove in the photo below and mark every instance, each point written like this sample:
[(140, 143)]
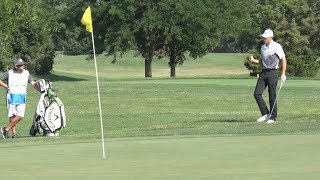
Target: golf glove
[(283, 78)]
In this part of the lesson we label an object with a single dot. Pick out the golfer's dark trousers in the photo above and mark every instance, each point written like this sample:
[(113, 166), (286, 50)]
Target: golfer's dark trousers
[(267, 78)]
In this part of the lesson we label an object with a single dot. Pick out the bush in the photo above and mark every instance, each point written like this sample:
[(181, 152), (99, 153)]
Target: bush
[(253, 67), (35, 46), (26, 32)]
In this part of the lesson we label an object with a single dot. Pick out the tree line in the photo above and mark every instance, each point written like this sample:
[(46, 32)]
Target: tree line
[(160, 28)]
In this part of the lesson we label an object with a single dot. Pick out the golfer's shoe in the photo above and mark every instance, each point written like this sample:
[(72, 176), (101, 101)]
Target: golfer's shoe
[(263, 118), (4, 133), (14, 135), (270, 121)]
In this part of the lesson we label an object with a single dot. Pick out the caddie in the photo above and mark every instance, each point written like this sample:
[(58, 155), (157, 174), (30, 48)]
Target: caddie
[(15, 81)]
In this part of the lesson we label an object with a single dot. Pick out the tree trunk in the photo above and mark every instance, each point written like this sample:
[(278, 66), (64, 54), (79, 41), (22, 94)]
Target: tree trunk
[(172, 64), (173, 70), (148, 62), (148, 67)]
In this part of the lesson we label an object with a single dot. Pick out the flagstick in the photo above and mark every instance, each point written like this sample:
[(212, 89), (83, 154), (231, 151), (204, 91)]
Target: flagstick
[(95, 64)]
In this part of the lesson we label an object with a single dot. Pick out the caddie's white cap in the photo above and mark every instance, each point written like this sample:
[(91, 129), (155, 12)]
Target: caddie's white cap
[(267, 33)]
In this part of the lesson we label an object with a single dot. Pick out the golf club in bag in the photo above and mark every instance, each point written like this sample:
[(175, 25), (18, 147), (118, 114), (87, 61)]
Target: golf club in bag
[(49, 117), (274, 104)]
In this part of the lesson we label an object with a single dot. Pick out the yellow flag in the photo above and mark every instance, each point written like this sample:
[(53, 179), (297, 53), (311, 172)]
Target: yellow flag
[(87, 20)]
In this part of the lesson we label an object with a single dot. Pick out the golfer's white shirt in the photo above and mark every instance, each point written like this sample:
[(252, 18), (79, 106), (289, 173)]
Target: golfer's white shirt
[(270, 55)]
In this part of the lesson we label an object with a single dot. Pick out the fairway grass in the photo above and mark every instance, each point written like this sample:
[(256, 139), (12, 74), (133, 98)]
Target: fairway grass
[(200, 125), (180, 157), (131, 66)]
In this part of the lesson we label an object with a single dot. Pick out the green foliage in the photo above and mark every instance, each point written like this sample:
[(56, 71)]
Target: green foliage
[(296, 27), (253, 67), (237, 25), (7, 23), (35, 46), (303, 65), (164, 28), (27, 35), (187, 28), (73, 43), (176, 29), (71, 37)]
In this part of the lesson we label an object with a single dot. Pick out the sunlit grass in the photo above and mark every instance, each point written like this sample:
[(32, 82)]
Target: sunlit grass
[(201, 124)]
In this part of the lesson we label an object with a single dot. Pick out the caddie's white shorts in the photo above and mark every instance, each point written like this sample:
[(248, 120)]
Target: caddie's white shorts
[(16, 110)]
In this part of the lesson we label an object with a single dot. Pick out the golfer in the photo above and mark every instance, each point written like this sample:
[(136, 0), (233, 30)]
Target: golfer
[(15, 81), (271, 54)]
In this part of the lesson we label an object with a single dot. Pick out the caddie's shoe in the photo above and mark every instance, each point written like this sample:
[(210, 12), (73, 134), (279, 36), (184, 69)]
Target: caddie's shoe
[(4, 133), (263, 118), (270, 121), (14, 135)]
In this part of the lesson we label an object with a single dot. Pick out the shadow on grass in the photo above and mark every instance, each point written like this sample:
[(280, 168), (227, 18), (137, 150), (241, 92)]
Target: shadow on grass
[(54, 77), (223, 121)]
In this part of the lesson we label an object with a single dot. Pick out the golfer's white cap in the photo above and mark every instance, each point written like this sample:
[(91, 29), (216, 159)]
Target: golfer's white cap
[(267, 33)]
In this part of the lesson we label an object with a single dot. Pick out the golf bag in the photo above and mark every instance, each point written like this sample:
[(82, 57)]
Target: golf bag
[(49, 117)]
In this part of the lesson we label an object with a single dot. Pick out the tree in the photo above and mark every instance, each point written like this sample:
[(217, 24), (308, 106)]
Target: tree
[(7, 23), (70, 36), (187, 26), (193, 27), (236, 22), (129, 25), (166, 28), (148, 32), (27, 35)]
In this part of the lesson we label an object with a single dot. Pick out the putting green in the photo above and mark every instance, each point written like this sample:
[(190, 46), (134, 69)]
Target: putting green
[(183, 157)]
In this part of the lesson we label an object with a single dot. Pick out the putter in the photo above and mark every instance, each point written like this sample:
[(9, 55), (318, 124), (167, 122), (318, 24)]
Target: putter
[(269, 115)]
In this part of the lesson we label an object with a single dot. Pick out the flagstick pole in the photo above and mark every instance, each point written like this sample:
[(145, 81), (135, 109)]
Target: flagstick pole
[(97, 77)]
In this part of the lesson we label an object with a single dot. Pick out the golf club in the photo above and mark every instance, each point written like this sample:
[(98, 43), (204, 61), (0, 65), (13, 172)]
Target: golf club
[(269, 115)]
